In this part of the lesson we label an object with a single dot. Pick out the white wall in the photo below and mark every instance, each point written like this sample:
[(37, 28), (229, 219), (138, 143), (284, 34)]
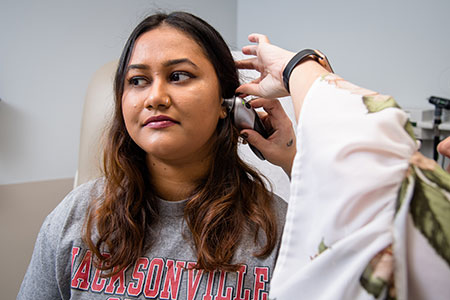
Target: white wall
[(49, 51), (396, 47)]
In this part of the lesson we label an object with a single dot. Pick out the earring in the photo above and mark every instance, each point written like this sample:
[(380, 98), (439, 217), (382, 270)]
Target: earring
[(223, 114)]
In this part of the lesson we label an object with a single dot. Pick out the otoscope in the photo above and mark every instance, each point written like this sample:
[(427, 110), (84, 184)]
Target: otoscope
[(439, 104), (245, 117)]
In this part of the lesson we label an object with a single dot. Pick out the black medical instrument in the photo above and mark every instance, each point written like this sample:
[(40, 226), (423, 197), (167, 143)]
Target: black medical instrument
[(439, 104), (244, 116)]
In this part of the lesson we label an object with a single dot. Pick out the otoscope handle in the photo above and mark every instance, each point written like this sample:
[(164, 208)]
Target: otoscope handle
[(259, 127)]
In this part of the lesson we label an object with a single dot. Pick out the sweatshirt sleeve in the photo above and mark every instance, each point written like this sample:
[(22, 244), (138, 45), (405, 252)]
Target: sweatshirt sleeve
[(49, 273), (40, 279), (343, 237)]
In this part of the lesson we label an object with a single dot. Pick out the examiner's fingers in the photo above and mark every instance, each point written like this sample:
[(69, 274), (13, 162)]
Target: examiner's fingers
[(254, 138), (248, 64), (258, 38), (444, 147), (249, 89), (250, 49), (272, 106)]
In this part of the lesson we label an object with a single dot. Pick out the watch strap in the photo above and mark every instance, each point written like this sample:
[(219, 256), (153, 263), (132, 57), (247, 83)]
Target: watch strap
[(301, 57)]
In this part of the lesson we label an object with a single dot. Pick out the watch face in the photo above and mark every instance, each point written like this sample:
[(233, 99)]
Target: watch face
[(323, 60)]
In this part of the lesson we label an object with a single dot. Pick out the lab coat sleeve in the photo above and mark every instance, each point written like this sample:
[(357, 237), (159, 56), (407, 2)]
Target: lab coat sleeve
[(349, 222)]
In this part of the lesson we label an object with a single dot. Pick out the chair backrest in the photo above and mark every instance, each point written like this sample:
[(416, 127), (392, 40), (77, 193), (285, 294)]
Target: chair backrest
[(98, 108)]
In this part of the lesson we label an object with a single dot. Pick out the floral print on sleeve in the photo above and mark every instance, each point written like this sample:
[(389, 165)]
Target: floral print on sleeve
[(429, 204)]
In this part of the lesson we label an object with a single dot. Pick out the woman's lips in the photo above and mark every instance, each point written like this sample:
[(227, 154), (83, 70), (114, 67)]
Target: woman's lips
[(159, 122)]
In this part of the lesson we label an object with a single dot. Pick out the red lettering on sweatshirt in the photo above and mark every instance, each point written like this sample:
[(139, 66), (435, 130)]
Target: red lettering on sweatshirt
[(118, 279), (208, 293), (194, 277), (154, 275), (81, 278), (98, 283), (261, 278), (162, 279), (240, 285), (172, 281), (220, 290), (135, 288)]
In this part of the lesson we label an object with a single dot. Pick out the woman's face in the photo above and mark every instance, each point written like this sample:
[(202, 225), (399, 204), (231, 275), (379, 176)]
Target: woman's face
[(171, 102)]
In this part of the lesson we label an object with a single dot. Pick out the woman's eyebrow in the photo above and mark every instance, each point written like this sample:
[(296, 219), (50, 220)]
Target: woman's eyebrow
[(165, 64), (179, 61), (137, 66)]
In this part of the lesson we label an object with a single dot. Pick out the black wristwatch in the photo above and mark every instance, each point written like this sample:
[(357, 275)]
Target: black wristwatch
[(301, 57)]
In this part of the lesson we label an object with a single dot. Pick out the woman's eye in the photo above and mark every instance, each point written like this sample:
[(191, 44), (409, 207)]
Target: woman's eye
[(180, 76), (137, 81)]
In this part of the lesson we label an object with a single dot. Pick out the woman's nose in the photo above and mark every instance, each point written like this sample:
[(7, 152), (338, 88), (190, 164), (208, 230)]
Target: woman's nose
[(157, 97)]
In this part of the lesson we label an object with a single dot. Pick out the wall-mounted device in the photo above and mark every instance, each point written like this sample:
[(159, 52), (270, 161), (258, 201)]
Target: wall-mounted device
[(244, 116), (439, 104)]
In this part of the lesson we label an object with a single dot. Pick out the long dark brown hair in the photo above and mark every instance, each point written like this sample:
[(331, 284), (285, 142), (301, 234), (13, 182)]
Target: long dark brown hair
[(231, 198)]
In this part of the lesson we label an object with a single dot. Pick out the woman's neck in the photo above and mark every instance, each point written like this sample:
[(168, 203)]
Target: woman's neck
[(176, 181)]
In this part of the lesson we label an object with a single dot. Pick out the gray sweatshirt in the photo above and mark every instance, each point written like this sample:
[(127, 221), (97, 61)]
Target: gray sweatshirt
[(62, 266)]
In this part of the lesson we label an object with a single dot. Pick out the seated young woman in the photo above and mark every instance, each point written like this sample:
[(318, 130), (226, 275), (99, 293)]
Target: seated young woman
[(177, 215)]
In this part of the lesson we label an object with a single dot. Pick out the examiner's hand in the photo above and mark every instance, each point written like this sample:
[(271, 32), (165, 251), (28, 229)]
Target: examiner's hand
[(280, 147), (270, 61)]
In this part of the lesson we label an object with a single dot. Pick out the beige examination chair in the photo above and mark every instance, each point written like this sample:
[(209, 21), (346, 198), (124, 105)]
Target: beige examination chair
[(98, 108)]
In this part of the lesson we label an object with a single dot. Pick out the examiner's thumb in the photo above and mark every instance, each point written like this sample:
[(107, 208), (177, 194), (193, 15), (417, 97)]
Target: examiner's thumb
[(255, 139)]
